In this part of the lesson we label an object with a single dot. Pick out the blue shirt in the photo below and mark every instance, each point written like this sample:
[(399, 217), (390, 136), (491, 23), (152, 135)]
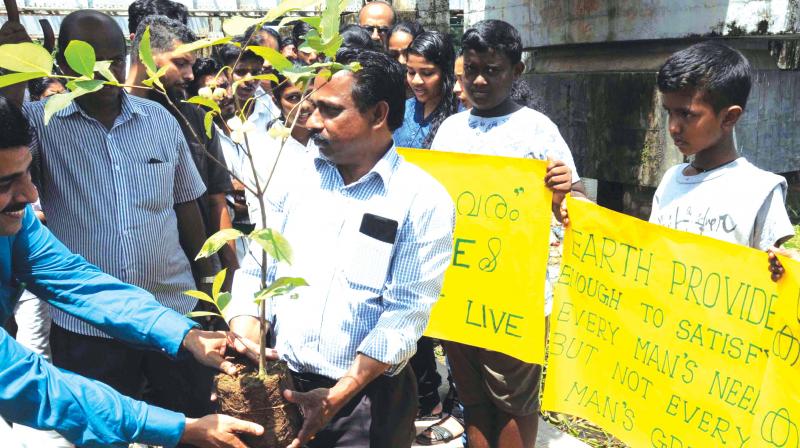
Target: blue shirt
[(109, 195), (37, 394), (367, 295), (415, 127)]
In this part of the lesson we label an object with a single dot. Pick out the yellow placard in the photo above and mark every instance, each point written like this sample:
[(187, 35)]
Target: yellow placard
[(493, 295), (663, 337)]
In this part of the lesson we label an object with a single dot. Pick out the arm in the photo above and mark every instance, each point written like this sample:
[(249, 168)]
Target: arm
[(35, 393), (73, 285), (219, 184), (13, 32), (192, 234)]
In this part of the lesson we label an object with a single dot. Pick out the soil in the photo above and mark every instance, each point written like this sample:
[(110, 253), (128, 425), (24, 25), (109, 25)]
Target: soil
[(246, 396)]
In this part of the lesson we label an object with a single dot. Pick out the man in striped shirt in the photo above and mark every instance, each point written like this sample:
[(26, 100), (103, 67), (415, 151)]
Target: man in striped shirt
[(372, 235), (117, 170)]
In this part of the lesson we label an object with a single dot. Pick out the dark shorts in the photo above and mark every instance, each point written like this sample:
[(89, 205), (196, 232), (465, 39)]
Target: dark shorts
[(485, 377)]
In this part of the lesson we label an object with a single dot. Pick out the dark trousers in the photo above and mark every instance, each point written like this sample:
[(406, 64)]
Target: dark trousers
[(380, 416), (181, 385), (428, 379)]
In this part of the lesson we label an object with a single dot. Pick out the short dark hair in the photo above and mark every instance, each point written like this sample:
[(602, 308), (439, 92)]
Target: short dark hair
[(202, 67), (412, 28), (163, 34), (299, 29), (36, 87), (495, 35), (14, 128), (286, 41), (76, 23), (140, 9), (266, 29), (353, 36), (381, 78), (719, 71), (228, 53)]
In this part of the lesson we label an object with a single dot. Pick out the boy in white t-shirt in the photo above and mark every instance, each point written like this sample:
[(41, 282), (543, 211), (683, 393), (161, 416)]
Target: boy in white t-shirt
[(500, 393), (704, 90)]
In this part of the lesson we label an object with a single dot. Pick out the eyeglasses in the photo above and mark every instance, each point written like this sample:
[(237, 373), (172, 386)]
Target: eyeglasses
[(372, 28)]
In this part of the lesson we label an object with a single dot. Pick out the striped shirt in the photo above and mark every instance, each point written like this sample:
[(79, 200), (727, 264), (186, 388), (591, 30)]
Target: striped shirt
[(365, 295), (109, 195)]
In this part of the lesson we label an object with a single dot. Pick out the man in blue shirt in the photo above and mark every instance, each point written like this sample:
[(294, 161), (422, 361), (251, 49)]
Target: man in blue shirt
[(36, 394)]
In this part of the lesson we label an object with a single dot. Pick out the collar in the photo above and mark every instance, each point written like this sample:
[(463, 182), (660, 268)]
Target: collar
[(419, 112), (384, 169), (129, 107)]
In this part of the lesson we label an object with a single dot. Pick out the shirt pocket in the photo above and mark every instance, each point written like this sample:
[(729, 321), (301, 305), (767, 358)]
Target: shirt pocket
[(367, 262), (152, 186)]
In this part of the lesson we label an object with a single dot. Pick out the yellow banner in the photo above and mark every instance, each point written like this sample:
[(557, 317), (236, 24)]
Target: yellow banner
[(663, 338), (493, 295)]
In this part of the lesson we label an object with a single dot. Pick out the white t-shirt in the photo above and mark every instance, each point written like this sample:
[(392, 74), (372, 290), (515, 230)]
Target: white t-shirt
[(525, 133), (738, 203)]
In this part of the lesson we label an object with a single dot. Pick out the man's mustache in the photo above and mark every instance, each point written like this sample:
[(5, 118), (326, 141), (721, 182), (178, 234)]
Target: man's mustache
[(319, 140), (14, 207)]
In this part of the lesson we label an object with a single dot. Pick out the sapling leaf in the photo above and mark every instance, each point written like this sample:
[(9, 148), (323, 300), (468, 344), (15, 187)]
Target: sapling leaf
[(273, 243), (207, 102), (145, 53), (80, 57), (289, 5), (237, 25), (313, 21), (85, 84), (58, 102), (25, 57), (104, 68), (223, 300), (208, 121), (297, 74), (268, 76), (279, 287), (331, 16), (16, 78), (215, 242), (199, 295), (194, 314), (216, 287), (275, 59), (278, 131), (202, 43)]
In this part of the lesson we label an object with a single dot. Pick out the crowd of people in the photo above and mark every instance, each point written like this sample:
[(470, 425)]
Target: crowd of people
[(103, 209)]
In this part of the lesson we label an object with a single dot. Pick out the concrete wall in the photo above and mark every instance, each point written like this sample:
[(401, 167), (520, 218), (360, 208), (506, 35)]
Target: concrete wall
[(558, 22)]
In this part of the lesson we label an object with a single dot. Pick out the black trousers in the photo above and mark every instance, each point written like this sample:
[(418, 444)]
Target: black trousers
[(182, 385), (380, 416), (428, 379)]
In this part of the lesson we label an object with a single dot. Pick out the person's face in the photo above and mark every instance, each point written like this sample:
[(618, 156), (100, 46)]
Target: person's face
[(247, 68), (269, 41), (109, 45), (458, 89), (288, 102), (16, 188), (226, 106), (52, 89), (425, 79), (179, 72), (341, 131), (693, 124), (377, 19), (398, 46), (488, 77), (290, 52), (308, 56)]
